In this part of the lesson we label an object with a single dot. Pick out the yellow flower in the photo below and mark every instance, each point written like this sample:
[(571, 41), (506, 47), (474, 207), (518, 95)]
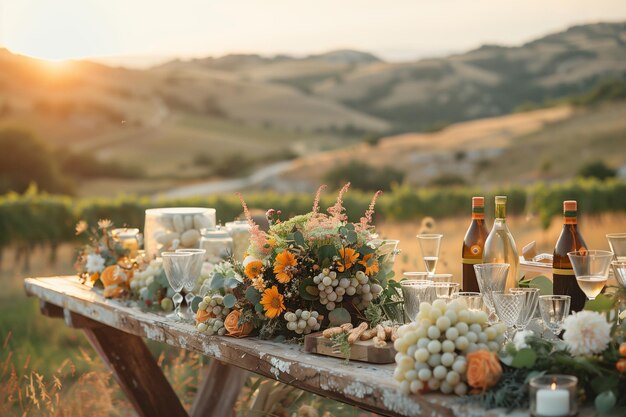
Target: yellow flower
[(348, 259), (254, 269), (284, 266), (258, 283), (371, 267), (272, 302)]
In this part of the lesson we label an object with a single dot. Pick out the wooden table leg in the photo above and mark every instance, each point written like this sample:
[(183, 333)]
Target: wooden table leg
[(219, 391), (134, 368)]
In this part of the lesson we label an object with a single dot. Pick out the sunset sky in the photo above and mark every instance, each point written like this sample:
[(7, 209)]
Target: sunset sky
[(394, 29)]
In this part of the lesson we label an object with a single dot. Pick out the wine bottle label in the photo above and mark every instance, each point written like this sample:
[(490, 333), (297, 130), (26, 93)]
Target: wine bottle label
[(469, 261), (557, 271)]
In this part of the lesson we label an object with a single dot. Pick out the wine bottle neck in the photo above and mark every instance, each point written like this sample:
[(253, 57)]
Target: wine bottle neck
[(478, 213), (570, 217), (500, 211)]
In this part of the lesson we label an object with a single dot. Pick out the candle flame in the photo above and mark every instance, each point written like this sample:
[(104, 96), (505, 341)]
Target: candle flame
[(553, 386)]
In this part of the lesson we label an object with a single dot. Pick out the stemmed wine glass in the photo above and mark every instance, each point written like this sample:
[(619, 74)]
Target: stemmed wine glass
[(554, 309), (491, 277), (193, 272), (531, 299), (429, 244), (509, 308), (415, 292), (176, 265), (592, 270)]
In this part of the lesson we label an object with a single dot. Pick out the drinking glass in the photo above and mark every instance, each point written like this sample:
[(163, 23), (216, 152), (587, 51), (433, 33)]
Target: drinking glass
[(415, 292), (591, 269), (491, 277), (429, 245), (531, 299), (440, 278), (619, 270), (509, 308), (473, 300), (193, 273), (412, 276), (176, 267), (617, 242), (446, 290), (554, 309)]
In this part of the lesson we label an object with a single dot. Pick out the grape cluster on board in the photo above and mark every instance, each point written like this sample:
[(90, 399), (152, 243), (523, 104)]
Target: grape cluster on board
[(432, 349), (332, 289)]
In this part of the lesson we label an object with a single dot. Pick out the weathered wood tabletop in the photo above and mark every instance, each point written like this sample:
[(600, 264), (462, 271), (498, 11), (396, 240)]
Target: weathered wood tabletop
[(115, 331)]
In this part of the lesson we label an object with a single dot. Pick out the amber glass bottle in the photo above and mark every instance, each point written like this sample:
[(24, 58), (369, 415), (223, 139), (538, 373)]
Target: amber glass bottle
[(474, 243), (564, 280)]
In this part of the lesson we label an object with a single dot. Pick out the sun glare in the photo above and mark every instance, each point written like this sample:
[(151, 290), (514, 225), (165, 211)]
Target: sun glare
[(58, 31)]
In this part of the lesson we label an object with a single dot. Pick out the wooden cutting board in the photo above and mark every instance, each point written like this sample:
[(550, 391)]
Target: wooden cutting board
[(362, 350)]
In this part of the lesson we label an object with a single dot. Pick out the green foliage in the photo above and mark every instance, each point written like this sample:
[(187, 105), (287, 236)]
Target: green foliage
[(605, 90), (597, 169), (25, 159), (86, 165), (363, 176), (35, 218)]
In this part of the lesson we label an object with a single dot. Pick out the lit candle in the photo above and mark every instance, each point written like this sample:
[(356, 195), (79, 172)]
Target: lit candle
[(553, 402)]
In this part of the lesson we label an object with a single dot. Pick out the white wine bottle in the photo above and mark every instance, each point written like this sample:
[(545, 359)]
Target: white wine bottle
[(500, 245)]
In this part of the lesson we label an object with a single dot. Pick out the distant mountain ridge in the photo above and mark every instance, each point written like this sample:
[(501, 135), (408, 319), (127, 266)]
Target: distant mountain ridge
[(488, 81)]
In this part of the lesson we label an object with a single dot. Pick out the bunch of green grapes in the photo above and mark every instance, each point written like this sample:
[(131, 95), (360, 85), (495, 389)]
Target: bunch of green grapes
[(431, 350), (214, 305), (303, 321)]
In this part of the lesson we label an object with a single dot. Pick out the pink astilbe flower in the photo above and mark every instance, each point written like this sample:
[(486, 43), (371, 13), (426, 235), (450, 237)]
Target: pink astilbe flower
[(318, 195), (337, 211), (367, 218), (257, 236)]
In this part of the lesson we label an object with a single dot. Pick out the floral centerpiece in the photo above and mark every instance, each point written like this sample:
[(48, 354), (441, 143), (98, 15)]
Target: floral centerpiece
[(301, 275), (104, 263)]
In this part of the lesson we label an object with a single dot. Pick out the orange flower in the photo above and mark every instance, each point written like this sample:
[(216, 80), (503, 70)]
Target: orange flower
[(371, 265), (202, 316), (94, 277), (483, 369), (348, 258), (284, 266), (272, 302), (114, 280), (254, 269), (231, 323)]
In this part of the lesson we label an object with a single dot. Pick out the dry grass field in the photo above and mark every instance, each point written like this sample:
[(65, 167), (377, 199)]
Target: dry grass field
[(544, 144)]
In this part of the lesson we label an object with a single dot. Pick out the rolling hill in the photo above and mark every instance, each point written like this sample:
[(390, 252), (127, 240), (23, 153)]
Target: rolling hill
[(263, 109)]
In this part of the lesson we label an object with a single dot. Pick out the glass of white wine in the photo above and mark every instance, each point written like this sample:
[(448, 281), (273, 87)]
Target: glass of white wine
[(429, 244), (591, 268)]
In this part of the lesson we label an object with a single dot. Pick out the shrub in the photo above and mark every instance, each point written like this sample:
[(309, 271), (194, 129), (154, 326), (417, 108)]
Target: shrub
[(26, 159), (597, 169), (363, 176)]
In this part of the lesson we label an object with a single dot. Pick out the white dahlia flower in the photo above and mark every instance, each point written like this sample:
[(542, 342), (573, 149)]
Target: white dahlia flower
[(586, 333), (95, 263), (519, 340)]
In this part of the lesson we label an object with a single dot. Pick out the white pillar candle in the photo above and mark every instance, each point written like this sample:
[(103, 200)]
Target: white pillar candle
[(552, 402)]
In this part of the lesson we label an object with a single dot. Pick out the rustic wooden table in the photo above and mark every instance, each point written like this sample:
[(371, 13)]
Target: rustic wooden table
[(116, 331)]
